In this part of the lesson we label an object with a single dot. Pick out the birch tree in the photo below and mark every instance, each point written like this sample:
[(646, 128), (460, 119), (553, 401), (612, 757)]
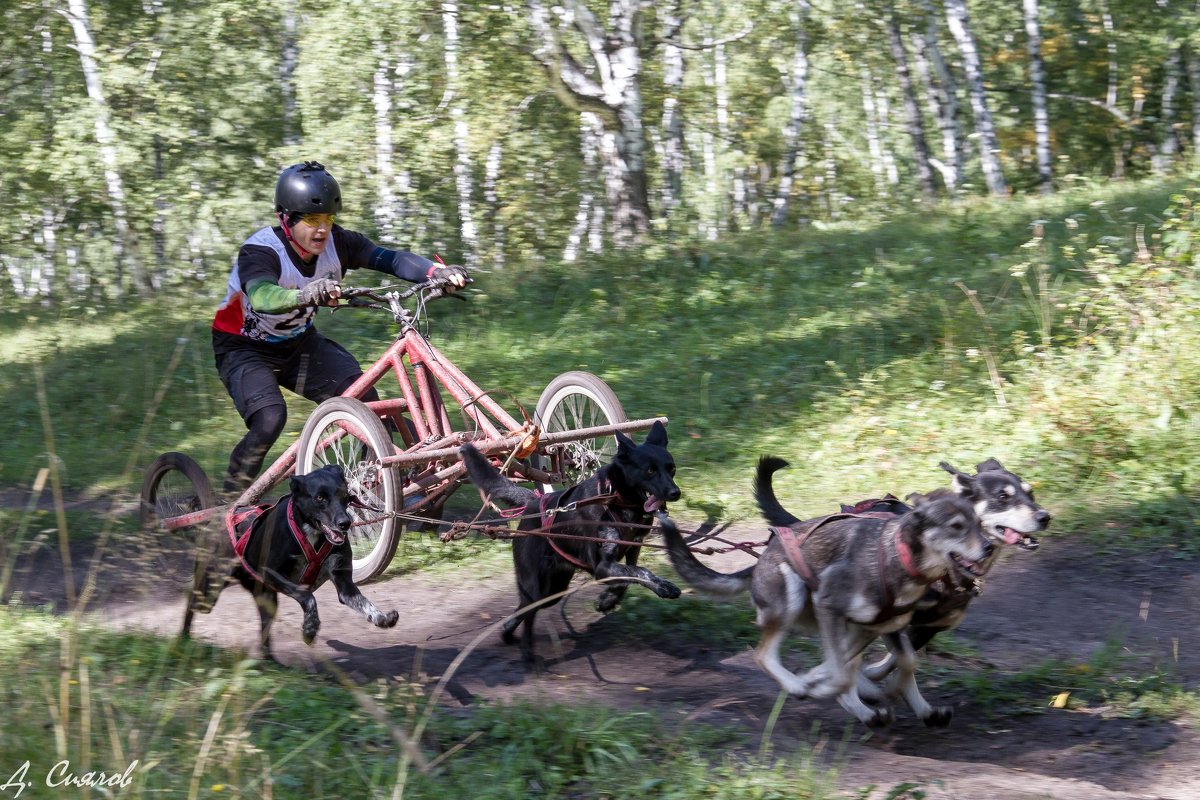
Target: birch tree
[(672, 116), (123, 241), (589, 217), (608, 86), (1037, 87), (387, 208), (1168, 144), (287, 76), (462, 151), (959, 23), (912, 111), (798, 89), (941, 92)]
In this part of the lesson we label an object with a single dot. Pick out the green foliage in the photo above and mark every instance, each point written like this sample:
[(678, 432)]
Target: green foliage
[(852, 351)]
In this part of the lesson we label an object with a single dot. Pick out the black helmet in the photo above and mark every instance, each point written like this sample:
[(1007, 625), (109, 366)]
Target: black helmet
[(307, 188)]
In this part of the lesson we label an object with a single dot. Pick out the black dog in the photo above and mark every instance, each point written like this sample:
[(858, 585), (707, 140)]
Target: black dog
[(292, 547), (622, 494)]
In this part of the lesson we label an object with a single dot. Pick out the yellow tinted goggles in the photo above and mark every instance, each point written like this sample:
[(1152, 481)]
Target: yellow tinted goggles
[(317, 220)]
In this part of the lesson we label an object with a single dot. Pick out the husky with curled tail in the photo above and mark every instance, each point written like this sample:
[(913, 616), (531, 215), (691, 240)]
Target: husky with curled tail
[(851, 578)]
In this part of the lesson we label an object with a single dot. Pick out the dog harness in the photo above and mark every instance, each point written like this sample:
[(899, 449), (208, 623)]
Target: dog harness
[(550, 504), (793, 537), (243, 525)]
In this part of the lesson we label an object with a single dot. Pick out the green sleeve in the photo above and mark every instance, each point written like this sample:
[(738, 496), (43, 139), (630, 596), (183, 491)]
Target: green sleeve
[(271, 298)]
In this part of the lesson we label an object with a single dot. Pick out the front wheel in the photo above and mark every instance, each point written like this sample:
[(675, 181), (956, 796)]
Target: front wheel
[(572, 401), (345, 432), (174, 485)]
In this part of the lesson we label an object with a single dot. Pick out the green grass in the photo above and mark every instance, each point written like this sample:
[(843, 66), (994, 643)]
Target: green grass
[(853, 350)]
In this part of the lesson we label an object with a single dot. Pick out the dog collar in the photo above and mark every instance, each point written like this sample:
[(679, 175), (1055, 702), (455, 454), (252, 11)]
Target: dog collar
[(906, 558)]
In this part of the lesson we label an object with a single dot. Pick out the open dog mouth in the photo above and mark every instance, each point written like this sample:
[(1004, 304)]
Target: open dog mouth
[(652, 504), (332, 534), (1011, 536), (972, 568)]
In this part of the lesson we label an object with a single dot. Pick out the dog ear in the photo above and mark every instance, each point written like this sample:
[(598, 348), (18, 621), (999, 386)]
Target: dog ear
[(296, 485), (991, 465), (657, 435), (339, 474), (961, 482), (624, 444)]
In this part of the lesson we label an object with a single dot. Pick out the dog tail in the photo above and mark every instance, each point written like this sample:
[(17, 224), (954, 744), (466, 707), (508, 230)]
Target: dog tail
[(696, 574), (764, 494), (489, 480)]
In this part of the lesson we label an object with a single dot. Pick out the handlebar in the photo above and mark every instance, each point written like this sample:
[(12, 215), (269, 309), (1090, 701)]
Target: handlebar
[(389, 299)]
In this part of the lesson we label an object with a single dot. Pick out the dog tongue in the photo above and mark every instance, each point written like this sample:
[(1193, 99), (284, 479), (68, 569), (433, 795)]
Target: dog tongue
[(652, 504), (1011, 536)]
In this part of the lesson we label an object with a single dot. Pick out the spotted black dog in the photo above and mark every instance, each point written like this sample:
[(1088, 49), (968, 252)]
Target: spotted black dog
[(292, 547), (615, 504)]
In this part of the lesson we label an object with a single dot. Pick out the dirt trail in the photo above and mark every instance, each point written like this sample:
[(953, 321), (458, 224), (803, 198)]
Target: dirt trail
[(1063, 601)]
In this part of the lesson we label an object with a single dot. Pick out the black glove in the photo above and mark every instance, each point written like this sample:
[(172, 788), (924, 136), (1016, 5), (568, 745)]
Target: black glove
[(457, 276), (321, 292)]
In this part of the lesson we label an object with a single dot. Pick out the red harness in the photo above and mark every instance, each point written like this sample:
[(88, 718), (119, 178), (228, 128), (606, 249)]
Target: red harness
[(246, 520)]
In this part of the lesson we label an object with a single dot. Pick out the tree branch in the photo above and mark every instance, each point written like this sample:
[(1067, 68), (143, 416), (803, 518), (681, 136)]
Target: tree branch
[(708, 45)]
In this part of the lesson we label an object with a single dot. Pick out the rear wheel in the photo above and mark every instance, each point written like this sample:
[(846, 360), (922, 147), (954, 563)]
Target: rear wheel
[(345, 432), (572, 401), (174, 485)]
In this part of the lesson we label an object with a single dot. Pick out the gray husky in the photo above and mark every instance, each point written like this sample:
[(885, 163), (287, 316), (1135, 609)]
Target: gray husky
[(852, 578), (1005, 506)]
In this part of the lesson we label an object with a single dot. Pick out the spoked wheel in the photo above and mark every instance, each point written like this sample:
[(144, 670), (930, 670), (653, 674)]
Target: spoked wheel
[(572, 401), (174, 485), (345, 432)]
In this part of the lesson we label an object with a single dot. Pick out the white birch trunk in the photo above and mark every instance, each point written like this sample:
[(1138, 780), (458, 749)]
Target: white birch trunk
[(799, 95), (402, 175), (491, 199), (874, 144), (589, 145), (1169, 143), (710, 217), (462, 152), (959, 23), (1193, 71), (1114, 69), (123, 243), (833, 200), (50, 224), (287, 76), (883, 108), (609, 86), (381, 101), (912, 111), (942, 94), (50, 221), (672, 118), (721, 95), (1037, 86)]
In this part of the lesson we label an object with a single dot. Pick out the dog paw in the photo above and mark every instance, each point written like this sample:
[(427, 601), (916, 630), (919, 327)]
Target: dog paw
[(667, 590), (389, 619), (882, 718), (309, 630), (607, 602), (939, 718)]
